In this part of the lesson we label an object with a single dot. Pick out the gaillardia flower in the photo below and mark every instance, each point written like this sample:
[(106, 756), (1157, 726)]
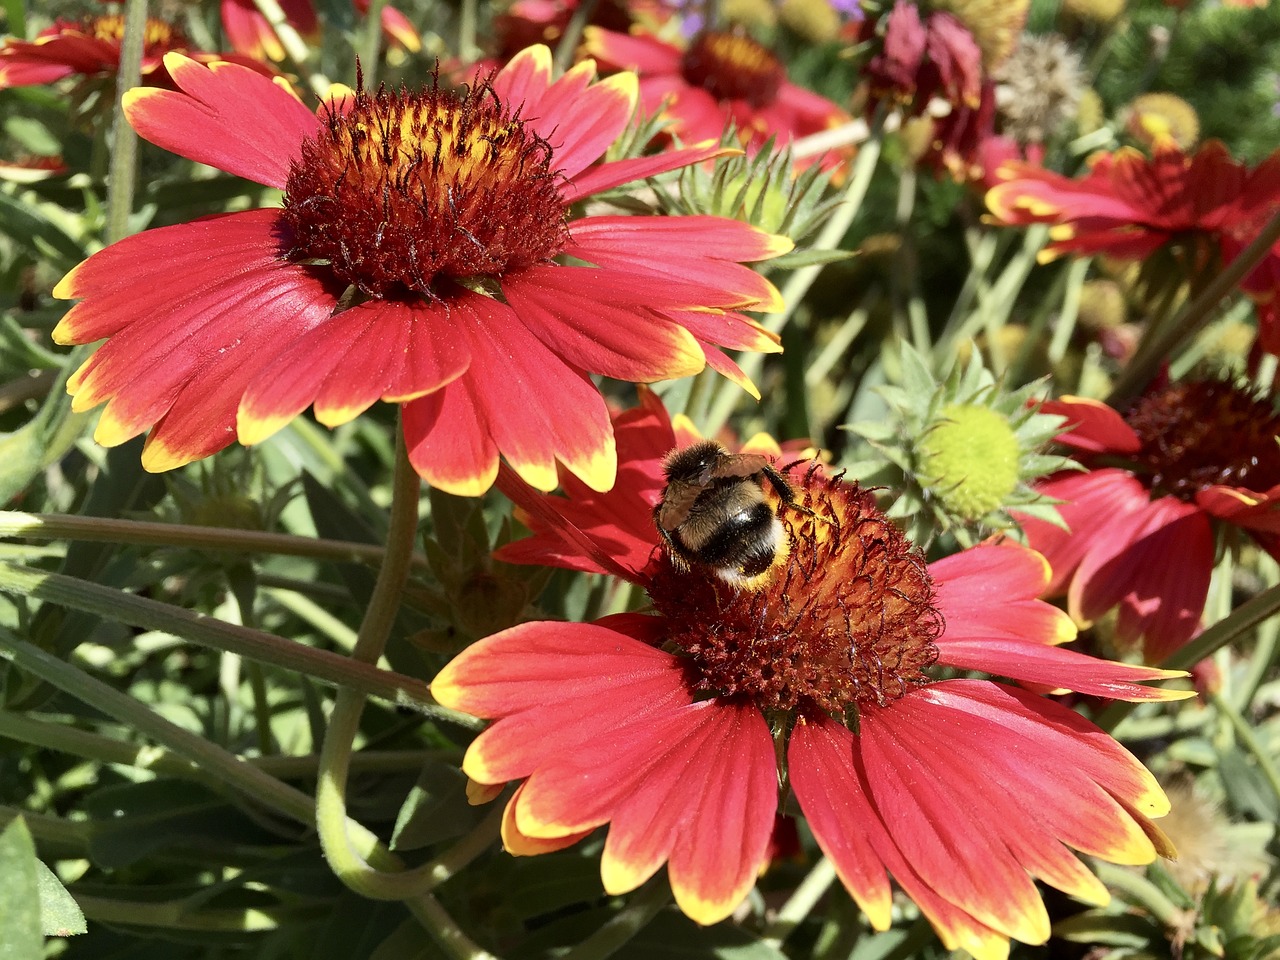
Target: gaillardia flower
[(721, 77), (683, 728), (1140, 522), (91, 48), (1204, 207), (251, 33), (417, 259)]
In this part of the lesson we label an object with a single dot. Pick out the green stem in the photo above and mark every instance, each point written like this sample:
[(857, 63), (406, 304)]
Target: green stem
[(445, 929), (58, 526), (467, 20), (1193, 317), (728, 394), (210, 758), (295, 47), (801, 903), (1243, 619), (371, 47), (568, 41), (216, 634), (385, 879), (58, 736), (622, 928), (179, 915), (124, 142), (1244, 733)]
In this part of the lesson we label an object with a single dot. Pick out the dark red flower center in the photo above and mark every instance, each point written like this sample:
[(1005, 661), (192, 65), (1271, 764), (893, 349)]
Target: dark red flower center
[(157, 38), (731, 66), (848, 618), (1200, 433), (402, 190)]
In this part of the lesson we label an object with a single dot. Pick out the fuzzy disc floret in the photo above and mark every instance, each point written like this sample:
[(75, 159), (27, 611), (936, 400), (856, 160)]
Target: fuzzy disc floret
[(401, 190), (849, 618)]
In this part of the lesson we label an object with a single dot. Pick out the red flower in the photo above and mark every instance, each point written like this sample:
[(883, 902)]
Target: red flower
[(1129, 206), (664, 726), (721, 78), (251, 34), (91, 47), (1140, 534), (378, 278)]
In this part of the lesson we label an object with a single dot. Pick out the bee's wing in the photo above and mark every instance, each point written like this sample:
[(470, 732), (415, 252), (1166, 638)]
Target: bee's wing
[(677, 500), (739, 465)]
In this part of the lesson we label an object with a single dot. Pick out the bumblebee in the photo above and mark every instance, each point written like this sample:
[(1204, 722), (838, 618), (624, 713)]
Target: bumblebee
[(714, 512)]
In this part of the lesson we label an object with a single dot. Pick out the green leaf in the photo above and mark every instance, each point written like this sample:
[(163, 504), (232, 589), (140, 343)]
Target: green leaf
[(1247, 787), (436, 808), (26, 226), (60, 915), (1108, 929), (20, 937), (674, 936)]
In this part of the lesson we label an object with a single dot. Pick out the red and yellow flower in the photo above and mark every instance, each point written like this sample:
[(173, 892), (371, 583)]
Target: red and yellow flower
[(91, 48), (676, 728), (1140, 521), (417, 260), (250, 33), (719, 78), (1206, 206)]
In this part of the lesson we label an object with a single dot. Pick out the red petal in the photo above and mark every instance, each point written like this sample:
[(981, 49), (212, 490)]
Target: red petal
[(517, 397), (990, 590), (225, 115), (1156, 565), (1092, 426), (608, 175), (580, 122), (1058, 669), (373, 351), (1091, 503), (601, 320)]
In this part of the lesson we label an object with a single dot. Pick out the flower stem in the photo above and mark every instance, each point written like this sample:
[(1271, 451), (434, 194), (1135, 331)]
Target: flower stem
[(1242, 620), (371, 45), (210, 632), (801, 903), (568, 42), (57, 526), (1244, 733), (124, 142), (1193, 317), (864, 165), (295, 47), (621, 928), (386, 879)]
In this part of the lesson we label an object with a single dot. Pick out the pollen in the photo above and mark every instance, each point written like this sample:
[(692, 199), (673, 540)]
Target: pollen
[(402, 192), (969, 460), (732, 66), (849, 619), (1200, 433)]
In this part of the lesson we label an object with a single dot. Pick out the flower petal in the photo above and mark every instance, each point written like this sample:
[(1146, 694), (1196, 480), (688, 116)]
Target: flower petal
[(378, 350), (225, 115), (605, 176), (1156, 566), (600, 320), (517, 397), (1092, 426)]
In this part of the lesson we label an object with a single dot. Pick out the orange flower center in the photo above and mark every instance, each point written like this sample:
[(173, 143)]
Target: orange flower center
[(730, 66), (158, 37), (848, 617), (402, 190), (1203, 432)]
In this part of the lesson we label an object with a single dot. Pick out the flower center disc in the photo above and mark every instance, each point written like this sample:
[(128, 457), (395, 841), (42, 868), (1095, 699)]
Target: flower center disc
[(849, 617), (730, 66), (1204, 432), (402, 189), (158, 37)]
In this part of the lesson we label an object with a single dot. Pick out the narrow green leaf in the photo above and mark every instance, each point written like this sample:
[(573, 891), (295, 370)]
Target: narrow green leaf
[(20, 937), (60, 915)]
